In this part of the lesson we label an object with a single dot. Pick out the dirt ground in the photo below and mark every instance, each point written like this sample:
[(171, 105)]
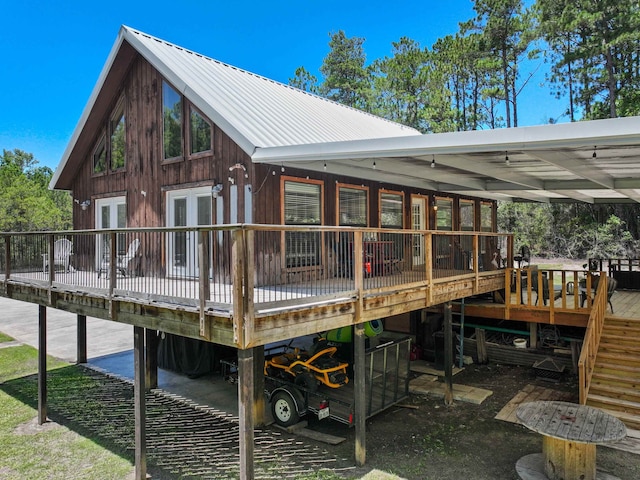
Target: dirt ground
[(423, 439)]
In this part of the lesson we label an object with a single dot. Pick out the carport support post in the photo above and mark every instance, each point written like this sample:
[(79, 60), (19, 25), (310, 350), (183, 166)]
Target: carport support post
[(448, 355), (245, 411), (360, 393), (259, 403), (42, 364), (81, 355), (139, 404), (151, 358)]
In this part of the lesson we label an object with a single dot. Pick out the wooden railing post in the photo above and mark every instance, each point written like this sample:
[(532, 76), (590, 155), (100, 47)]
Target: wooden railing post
[(428, 261), (237, 281), (204, 284)]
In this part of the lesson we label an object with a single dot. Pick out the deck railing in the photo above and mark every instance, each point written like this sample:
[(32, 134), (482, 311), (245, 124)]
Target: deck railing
[(213, 266), (586, 363)]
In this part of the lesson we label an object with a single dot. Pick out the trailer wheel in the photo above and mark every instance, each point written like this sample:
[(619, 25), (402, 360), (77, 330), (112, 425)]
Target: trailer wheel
[(284, 409)]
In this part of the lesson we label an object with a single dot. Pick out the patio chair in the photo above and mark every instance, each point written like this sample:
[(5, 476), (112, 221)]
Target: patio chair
[(612, 284), (122, 261), (62, 251), (557, 290)]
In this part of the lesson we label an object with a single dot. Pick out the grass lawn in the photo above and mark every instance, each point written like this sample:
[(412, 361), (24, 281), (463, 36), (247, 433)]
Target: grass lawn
[(52, 451), (5, 338)]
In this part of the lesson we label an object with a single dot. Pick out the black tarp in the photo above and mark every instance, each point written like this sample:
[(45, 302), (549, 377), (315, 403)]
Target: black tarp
[(189, 356)]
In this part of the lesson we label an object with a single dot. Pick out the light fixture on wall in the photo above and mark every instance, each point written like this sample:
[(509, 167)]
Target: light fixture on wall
[(374, 165), (506, 159), (84, 204), (325, 166), (239, 166), (433, 161), (594, 155), (216, 190)]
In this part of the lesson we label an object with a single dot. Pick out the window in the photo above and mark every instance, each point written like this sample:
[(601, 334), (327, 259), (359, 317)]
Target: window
[(100, 156), (486, 217), (467, 215), (352, 206), (117, 129), (444, 214), (391, 210), (199, 133), (171, 122), (302, 206)]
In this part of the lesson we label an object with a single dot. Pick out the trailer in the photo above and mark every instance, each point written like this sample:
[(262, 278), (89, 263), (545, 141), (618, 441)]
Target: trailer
[(387, 383)]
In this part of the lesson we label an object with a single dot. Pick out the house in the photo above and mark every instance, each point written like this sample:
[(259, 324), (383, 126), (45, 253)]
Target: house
[(370, 217), (167, 139)]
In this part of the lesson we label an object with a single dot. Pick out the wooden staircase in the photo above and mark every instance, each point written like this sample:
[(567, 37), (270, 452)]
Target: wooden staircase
[(615, 384)]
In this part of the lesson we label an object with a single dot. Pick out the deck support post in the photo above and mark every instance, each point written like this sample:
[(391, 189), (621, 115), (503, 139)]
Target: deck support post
[(360, 393), (139, 404), (448, 355), (246, 389), (151, 358), (533, 334), (42, 364), (81, 355)]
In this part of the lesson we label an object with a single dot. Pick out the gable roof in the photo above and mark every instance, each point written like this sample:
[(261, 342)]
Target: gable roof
[(252, 110)]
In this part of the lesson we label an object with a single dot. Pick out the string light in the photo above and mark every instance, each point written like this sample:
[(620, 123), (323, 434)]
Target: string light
[(506, 158), (374, 165), (594, 153), (433, 162)]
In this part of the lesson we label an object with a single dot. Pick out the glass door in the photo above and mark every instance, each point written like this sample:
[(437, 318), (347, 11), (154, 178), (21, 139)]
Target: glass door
[(186, 208), (418, 222), (110, 213)]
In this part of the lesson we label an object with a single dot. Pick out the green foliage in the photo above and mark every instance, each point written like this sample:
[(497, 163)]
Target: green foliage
[(26, 203), (304, 80), (346, 79), (577, 231)]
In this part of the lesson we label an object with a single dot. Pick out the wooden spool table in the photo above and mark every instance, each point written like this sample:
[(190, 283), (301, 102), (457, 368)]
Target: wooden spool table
[(570, 435)]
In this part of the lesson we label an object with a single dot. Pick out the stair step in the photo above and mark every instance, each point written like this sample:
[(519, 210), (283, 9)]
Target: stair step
[(621, 321), (619, 359), (620, 343), (622, 330), (616, 392), (602, 365), (615, 378), (609, 337), (628, 412)]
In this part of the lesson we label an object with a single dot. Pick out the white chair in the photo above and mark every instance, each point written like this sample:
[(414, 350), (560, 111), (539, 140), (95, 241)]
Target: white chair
[(122, 261), (62, 251), (122, 264)]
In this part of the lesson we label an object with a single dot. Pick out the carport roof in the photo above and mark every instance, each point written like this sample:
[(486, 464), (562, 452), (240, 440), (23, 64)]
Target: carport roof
[(593, 161)]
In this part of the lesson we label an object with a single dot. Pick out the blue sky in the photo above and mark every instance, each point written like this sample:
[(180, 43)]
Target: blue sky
[(52, 52)]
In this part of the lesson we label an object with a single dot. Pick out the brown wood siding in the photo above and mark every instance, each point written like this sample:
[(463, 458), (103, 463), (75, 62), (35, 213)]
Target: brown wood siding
[(145, 171), (267, 196)]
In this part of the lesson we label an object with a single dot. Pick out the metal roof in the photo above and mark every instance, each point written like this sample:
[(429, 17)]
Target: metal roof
[(596, 161), (277, 124)]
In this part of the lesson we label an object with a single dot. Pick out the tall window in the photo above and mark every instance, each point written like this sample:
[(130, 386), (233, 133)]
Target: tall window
[(467, 215), (302, 206), (352, 206), (444, 215), (100, 156), (171, 122), (486, 217), (117, 131), (199, 133), (391, 210)]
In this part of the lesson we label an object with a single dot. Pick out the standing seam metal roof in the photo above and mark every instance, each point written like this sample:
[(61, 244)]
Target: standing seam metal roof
[(262, 112)]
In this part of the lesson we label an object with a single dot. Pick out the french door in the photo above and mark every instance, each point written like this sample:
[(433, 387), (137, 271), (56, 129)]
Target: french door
[(418, 222), (110, 213), (186, 208)]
